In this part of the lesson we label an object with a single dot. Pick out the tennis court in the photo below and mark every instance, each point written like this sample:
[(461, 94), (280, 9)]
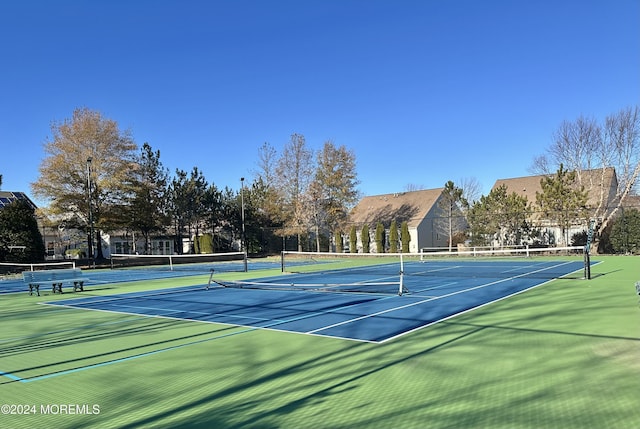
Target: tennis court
[(560, 355), (363, 303), (137, 268)]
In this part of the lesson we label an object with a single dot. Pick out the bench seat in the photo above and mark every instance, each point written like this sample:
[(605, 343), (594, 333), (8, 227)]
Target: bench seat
[(56, 278)]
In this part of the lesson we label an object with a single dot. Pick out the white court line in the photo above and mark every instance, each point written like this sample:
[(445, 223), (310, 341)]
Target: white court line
[(433, 299), (275, 322)]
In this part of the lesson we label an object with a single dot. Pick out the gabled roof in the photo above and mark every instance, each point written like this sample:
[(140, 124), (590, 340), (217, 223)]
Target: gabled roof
[(590, 179), (7, 198), (412, 207), (631, 202), (523, 186)]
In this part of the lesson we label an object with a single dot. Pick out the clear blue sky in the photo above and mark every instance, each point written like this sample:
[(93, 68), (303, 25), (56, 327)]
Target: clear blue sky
[(422, 91)]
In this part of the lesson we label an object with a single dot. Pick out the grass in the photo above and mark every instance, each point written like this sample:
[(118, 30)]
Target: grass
[(561, 355)]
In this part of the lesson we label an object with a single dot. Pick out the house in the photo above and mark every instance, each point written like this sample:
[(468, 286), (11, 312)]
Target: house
[(631, 202), (601, 186), (427, 221), (9, 197), (63, 239)]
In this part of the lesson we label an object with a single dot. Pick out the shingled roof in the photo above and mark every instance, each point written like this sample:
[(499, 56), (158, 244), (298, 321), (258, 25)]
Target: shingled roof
[(632, 202), (7, 198), (590, 179), (411, 206)]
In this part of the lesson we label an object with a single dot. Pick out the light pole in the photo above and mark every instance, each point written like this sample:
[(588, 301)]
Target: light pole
[(90, 240), (244, 244)]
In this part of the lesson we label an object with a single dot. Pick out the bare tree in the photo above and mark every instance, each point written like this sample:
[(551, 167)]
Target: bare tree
[(577, 143), (294, 172), (265, 193), (267, 164), (622, 138), (471, 189), (410, 187), (584, 145)]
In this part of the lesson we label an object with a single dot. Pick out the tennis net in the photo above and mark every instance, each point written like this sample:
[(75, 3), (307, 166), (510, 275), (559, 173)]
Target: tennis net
[(375, 287), (397, 273), (229, 261), (17, 268), (547, 263), (308, 276)]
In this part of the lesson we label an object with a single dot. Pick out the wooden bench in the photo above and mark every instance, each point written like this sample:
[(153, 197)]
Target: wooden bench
[(55, 278)]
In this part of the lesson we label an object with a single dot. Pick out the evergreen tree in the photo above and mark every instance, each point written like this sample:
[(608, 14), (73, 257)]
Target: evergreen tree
[(205, 243), (480, 220), (501, 215), (148, 205), (450, 197), (562, 199), (625, 232), (19, 227), (338, 240), (393, 237), (178, 203), (353, 240), (586, 143), (380, 238), (365, 238), (405, 237), (188, 195)]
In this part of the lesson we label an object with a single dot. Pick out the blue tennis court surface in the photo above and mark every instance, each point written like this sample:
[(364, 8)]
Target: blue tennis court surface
[(437, 292)]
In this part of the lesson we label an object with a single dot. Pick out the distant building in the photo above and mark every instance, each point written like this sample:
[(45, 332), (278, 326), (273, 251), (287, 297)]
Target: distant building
[(631, 202), (9, 197), (427, 221), (601, 186)]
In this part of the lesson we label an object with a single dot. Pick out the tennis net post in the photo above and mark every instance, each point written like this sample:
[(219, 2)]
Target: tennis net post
[(587, 263)]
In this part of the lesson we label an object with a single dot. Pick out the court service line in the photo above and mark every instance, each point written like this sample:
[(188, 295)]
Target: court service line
[(433, 299)]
